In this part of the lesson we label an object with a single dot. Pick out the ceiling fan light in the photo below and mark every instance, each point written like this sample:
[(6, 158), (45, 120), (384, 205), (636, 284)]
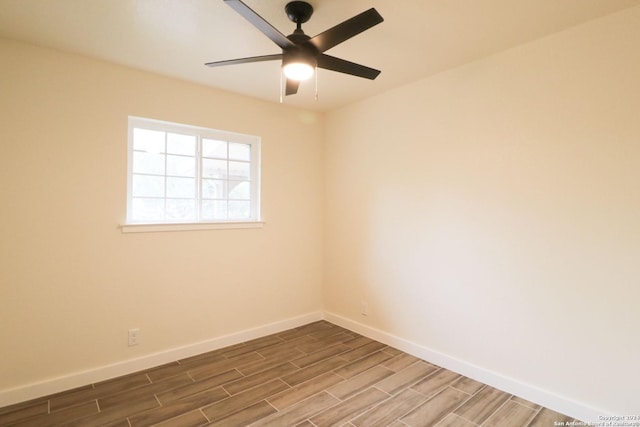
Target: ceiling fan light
[(298, 71)]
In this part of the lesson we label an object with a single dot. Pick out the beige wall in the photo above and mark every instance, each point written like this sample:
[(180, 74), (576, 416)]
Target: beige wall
[(71, 284), (491, 213)]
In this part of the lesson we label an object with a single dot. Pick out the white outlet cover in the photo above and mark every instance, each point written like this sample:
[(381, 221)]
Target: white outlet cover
[(134, 337), (364, 308)]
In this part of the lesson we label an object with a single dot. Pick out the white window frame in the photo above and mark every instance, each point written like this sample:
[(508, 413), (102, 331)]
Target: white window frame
[(200, 133)]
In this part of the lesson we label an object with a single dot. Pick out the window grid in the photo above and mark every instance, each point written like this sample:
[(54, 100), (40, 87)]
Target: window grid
[(247, 199), (227, 180)]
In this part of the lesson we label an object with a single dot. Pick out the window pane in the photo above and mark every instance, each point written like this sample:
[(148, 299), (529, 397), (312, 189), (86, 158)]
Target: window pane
[(149, 186), (213, 148), (240, 190), (151, 141), (239, 170), (214, 209), (214, 168), (239, 151), (181, 209), (181, 166), (214, 189), (147, 209), (181, 144), (144, 162), (181, 187), (239, 210)]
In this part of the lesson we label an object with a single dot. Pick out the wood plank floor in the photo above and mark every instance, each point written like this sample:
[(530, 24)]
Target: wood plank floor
[(315, 375)]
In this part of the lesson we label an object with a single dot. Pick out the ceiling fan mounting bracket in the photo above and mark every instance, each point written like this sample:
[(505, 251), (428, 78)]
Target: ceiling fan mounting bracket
[(299, 11)]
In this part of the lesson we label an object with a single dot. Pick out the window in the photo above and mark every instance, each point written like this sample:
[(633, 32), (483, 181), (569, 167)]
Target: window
[(185, 174)]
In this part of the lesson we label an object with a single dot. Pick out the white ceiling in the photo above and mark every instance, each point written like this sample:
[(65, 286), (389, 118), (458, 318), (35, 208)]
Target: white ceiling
[(176, 37)]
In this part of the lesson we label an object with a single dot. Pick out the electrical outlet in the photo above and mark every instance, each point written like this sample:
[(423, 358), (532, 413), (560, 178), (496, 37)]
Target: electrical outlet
[(364, 308), (134, 337)]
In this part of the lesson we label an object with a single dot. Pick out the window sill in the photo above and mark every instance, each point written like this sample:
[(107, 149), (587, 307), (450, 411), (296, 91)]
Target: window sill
[(152, 228)]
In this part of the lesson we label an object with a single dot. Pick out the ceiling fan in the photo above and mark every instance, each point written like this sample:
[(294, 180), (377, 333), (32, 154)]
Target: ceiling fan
[(301, 54)]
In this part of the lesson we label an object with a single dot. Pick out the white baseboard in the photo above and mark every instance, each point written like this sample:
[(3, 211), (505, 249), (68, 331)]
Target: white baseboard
[(77, 379), (102, 373), (534, 394)]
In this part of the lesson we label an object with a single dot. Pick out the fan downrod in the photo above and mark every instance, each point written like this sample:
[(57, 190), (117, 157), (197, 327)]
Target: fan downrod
[(299, 12)]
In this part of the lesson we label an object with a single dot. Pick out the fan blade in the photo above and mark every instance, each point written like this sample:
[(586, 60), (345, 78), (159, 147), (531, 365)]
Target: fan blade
[(292, 87), (340, 65), (245, 60), (347, 29), (258, 21)]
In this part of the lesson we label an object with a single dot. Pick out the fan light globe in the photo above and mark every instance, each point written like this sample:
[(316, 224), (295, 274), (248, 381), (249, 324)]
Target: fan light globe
[(298, 71)]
